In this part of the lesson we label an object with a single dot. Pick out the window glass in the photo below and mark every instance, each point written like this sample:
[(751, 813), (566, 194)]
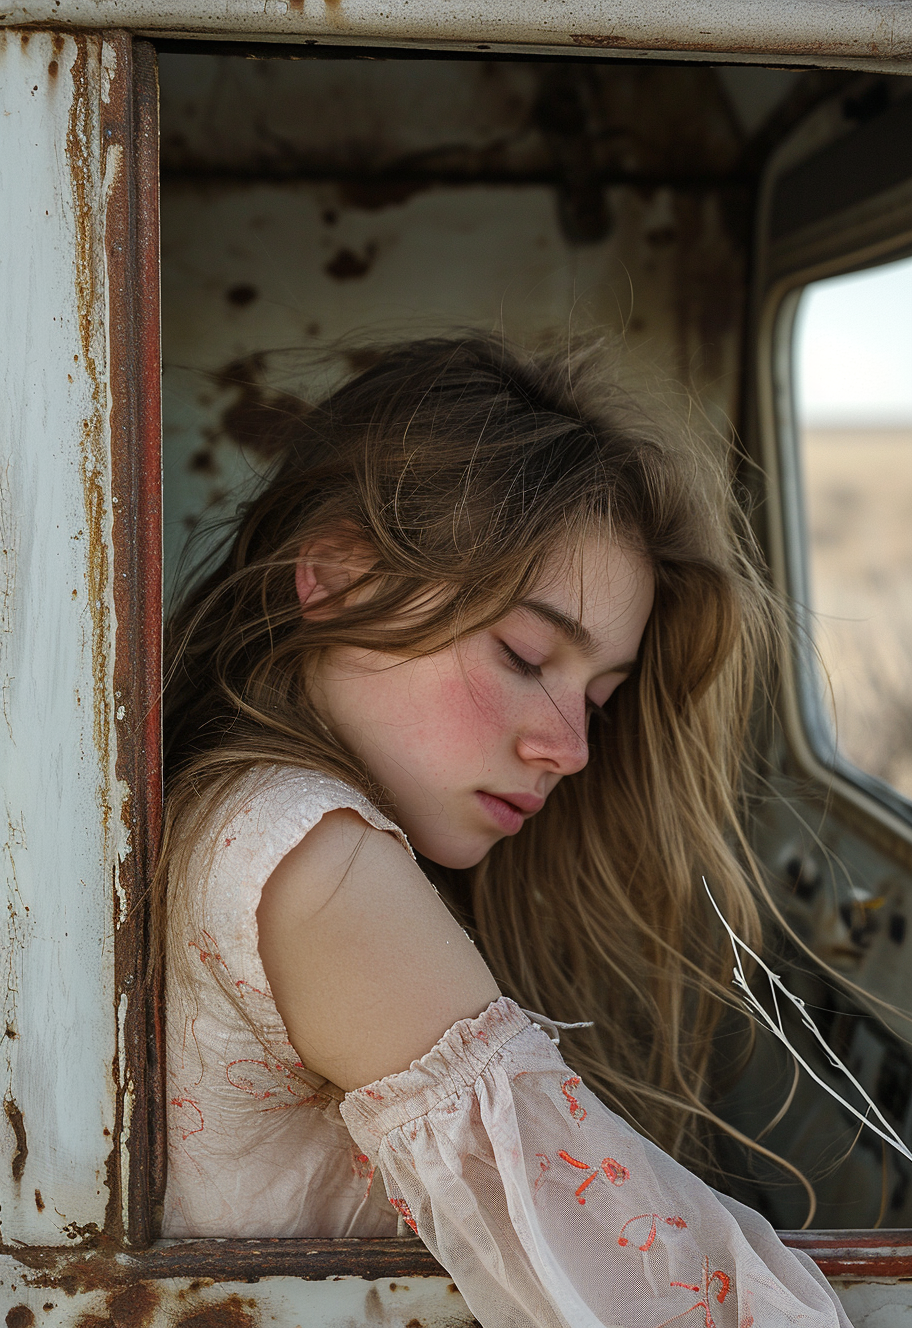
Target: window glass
[(853, 396)]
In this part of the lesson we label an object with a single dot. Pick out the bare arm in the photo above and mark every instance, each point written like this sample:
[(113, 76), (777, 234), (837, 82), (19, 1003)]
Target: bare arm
[(367, 965)]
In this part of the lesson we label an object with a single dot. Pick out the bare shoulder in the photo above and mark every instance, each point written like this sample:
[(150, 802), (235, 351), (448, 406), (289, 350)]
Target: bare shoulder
[(366, 964), (340, 850)]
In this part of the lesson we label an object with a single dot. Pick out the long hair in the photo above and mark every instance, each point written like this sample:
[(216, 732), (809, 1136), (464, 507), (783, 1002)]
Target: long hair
[(462, 465)]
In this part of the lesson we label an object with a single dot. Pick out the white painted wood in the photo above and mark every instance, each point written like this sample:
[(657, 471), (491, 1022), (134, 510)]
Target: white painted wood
[(860, 33), (61, 802)]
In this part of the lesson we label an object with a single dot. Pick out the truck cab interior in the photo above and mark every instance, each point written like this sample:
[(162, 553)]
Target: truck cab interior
[(743, 231)]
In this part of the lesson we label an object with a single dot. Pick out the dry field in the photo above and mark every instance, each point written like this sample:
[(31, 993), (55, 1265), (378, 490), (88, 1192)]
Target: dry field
[(859, 506)]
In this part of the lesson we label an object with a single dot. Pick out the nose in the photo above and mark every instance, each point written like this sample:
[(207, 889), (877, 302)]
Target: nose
[(554, 735)]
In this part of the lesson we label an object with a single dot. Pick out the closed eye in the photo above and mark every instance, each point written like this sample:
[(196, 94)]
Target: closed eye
[(518, 664)]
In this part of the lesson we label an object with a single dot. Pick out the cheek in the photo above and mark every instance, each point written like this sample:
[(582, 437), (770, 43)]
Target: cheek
[(475, 704)]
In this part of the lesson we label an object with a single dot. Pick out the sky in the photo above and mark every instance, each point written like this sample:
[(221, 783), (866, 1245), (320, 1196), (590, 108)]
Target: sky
[(853, 349)]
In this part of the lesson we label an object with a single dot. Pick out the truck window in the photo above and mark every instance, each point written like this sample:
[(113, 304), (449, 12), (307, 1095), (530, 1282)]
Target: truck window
[(852, 384)]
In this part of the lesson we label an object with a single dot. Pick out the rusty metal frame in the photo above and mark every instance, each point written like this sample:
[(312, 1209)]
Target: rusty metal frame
[(840, 1255), (131, 240), (131, 119), (790, 32)]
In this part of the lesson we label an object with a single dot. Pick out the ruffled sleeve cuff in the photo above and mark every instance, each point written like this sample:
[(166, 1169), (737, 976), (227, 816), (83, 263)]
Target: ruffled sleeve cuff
[(452, 1065)]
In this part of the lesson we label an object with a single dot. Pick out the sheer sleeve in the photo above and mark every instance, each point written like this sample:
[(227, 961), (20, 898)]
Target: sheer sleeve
[(548, 1210)]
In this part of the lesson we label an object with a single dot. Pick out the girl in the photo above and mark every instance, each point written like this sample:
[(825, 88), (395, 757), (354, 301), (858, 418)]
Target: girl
[(487, 626)]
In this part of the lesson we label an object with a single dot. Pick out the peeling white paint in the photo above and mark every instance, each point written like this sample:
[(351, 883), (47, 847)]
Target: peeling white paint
[(56, 781), (340, 1303), (113, 160), (127, 1108), (860, 34), (108, 70)]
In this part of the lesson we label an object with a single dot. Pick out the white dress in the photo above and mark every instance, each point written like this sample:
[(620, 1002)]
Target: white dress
[(543, 1205)]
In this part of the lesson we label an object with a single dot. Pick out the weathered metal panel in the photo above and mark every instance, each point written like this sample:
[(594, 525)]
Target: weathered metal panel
[(63, 801), (342, 1302), (340, 1283), (336, 1284), (307, 269), (806, 31), (876, 1304), (283, 1302), (131, 238), (364, 200), (374, 123)]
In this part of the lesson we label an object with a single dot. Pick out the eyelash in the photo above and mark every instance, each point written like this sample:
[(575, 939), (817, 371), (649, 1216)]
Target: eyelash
[(527, 670), (518, 664)]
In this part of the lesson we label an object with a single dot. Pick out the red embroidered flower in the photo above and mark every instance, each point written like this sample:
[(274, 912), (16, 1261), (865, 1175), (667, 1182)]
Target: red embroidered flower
[(188, 1105), (577, 1111), (405, 1212), (617, 1174), (653, 1219), (613, 1171), (703, 1290)]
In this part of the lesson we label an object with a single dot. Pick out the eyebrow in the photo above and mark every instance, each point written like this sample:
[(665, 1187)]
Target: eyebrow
[(573, 631)]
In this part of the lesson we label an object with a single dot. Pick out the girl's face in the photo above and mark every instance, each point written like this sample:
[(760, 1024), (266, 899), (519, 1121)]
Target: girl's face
[(470, 741)]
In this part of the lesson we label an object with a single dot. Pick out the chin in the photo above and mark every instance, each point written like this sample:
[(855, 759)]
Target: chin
[(457, 856)]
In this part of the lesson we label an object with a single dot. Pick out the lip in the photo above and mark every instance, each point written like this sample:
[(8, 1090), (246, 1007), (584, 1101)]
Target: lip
[(510, 811)]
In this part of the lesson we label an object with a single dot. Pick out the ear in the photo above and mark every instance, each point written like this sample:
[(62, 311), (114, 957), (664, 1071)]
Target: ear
[(325, 567)]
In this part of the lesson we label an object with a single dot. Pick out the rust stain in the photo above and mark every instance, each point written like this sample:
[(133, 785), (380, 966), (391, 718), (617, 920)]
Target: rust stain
[(20, 1316), (88, 185), (17, 1124), (89, 1233), (53, 69), (77, 1277), (134, 1306), (82, 169), (360, 359), (769, 46), (229, 1313), (55, 1268), (372, 195), (39, 1202), (346, 264), (257, 418), (241, 295), (296, 6)]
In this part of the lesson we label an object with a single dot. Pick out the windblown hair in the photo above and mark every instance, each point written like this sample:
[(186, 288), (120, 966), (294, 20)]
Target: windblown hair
[(463, 465)]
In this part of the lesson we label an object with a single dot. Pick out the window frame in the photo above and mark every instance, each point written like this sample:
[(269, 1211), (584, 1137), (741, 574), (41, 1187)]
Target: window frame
[(123, 1255), (818, 733), (847, 1255), (866, 231)]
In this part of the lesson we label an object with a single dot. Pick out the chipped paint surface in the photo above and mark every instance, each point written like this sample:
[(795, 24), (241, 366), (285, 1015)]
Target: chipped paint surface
[(339, 1302), (125, 1294), (804, 31), (61, 799), (367, 200)]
